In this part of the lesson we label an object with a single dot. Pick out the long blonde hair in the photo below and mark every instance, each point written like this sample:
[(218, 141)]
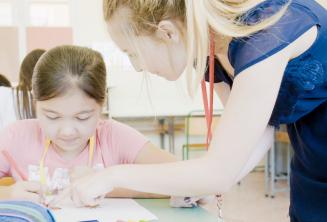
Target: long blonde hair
[(200, 16)]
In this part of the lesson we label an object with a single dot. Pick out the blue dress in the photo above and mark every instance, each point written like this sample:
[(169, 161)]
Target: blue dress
[(302, 98)]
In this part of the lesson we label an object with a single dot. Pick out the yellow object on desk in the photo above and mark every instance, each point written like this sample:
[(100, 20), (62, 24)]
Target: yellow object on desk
[(6, 181)]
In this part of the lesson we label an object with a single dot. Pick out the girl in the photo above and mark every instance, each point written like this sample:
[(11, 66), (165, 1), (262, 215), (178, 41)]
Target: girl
[(270, 67), (69, 85)]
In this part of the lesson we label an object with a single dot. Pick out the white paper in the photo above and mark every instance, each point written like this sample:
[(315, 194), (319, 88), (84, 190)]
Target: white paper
[(110, 210)]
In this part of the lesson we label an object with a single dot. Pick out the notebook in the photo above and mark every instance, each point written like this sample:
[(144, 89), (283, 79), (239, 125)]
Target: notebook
[(110, 210)]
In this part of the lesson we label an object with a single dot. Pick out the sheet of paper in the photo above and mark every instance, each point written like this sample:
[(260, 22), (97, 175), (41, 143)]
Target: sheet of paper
[(110, 210)]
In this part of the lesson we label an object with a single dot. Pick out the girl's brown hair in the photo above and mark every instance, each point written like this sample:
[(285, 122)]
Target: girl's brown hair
[(64, 67)]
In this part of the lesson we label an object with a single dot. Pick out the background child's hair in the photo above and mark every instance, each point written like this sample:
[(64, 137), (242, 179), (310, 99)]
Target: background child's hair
[(25, 108), (65, 67), (4, 81), (199, 16)]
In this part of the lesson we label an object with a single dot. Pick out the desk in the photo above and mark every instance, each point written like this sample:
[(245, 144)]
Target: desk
[(164, 119), (161, 208)]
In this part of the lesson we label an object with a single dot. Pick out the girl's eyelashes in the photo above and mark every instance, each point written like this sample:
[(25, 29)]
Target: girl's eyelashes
[(83, 117), (52, 117), (80, 117)]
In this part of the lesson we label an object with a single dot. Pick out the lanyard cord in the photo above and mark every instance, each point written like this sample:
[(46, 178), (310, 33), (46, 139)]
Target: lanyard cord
[(209, 109), (46, 149)]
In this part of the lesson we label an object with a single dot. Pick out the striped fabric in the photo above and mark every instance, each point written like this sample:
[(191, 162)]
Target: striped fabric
[(24, 211)]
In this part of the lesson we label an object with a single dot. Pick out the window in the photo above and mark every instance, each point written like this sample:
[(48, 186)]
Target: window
[(5, 14), (49, 13)]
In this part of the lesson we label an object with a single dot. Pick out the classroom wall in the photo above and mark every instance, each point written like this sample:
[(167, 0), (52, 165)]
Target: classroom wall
[(48, 37), (87, 22), (9, 52)]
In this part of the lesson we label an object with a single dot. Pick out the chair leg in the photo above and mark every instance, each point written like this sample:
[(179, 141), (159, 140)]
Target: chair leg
[(183, 153), (187, 153), (272, 171), (267, 173), (162, 133)]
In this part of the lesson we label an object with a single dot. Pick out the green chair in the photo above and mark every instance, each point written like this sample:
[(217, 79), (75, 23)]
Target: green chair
[(196, 126)]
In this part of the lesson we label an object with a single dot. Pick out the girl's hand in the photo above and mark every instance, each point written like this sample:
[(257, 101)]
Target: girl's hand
[(26, 190)]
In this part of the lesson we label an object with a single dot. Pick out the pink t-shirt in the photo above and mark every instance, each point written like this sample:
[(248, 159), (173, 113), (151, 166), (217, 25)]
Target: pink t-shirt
[(24, 140)]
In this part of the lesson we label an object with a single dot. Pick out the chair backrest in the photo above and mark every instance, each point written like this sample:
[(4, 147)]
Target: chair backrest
[(282, 137), (196, 125)]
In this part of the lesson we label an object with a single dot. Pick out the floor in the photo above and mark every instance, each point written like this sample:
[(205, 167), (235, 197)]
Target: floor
[(247, 203)]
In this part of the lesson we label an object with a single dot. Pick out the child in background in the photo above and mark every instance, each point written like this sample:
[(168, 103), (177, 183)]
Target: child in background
[(4, 81), (16, 103), (24, 105), (69, 88)]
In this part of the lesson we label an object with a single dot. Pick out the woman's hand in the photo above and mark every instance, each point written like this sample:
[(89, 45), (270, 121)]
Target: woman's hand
[(189, 202), (86, 190)]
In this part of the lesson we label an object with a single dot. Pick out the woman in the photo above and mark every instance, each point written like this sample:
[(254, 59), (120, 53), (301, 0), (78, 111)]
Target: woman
[(270, 68)]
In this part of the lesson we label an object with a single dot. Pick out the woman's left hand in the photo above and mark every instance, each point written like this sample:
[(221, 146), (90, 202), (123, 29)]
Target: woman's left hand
[(189, 202)]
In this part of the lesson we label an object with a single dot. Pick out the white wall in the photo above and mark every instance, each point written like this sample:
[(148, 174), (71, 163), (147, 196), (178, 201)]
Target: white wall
[(87, 22)]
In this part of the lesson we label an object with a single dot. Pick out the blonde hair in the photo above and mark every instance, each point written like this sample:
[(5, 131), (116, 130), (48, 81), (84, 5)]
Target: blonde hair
[(200, 16)]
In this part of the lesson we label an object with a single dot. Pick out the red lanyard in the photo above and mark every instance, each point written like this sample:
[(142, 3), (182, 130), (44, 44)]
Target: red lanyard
[(209, 109)]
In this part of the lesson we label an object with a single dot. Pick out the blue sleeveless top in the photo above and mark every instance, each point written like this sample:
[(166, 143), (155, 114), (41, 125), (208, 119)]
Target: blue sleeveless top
[(302, 98)]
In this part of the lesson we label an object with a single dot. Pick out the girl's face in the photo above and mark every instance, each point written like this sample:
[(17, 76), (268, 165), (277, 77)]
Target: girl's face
[(163, 53), (69, 120)]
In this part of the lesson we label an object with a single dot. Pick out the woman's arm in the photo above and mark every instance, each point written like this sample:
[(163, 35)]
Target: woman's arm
[(323, 3), (148, 154), (264, 144)]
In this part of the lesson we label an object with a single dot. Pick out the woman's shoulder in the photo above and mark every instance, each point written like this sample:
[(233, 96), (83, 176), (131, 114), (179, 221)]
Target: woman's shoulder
[(247, 51)]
